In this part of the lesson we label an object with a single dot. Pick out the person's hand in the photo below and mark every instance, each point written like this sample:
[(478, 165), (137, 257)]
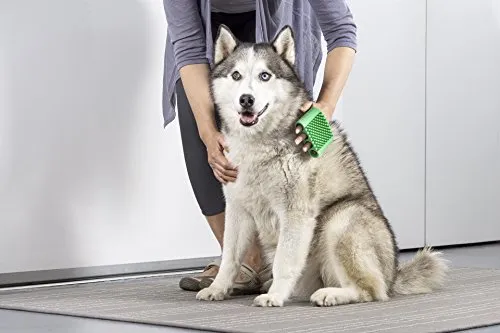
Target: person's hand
[(223, 170), (327, 111)]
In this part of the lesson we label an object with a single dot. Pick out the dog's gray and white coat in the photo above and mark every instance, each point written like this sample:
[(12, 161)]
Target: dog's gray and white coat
[(317, 219)]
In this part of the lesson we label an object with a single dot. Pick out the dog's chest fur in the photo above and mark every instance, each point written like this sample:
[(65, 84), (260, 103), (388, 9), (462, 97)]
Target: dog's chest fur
[(267, 179)]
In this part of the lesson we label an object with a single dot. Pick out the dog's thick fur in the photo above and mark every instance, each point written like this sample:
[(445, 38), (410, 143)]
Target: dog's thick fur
[(317, 218)]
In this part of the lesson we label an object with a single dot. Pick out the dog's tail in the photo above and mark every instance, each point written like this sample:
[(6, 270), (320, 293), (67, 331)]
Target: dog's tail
[(423, 274)]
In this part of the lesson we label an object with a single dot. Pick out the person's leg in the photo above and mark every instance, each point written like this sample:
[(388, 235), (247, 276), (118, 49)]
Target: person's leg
[(206, 188), (216, 223)]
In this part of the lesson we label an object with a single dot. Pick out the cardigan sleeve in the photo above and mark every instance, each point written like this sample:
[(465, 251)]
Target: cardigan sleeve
[(186, 32), (336, 22)]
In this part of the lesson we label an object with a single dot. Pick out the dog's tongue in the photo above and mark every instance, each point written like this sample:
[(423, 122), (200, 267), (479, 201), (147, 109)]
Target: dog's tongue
[(248, 117)]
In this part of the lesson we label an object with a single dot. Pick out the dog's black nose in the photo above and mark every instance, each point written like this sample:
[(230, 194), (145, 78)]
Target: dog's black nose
[(247, 100)]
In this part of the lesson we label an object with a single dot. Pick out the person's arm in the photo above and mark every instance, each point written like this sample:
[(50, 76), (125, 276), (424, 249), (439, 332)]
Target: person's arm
[(195, 79), (187, 34), (339, 30), (185, 28), (337, 68), (338, 27)]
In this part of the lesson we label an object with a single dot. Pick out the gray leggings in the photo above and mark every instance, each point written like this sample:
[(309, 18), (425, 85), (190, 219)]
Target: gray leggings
[(207, 189)]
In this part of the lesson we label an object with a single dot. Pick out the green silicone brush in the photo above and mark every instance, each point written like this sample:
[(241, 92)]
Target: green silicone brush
[(317, 129)]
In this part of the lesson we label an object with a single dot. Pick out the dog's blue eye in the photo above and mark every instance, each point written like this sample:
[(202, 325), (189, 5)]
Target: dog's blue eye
[(236, 76), (265, 76)]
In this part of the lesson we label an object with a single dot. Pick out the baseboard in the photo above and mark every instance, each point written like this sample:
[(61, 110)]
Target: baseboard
[(454, 246), (84, 273)]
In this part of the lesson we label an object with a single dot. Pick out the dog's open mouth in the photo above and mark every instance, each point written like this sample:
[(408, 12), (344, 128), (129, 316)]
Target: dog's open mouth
[(248, 118)]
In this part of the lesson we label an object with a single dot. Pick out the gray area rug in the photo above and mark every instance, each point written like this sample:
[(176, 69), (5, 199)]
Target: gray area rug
[(470, 299)]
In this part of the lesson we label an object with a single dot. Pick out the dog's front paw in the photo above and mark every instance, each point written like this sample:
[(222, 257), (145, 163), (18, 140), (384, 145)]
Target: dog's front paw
[(211, 294), (268, 300)]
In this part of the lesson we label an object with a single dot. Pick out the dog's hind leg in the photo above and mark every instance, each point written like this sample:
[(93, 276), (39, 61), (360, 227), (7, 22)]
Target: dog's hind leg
[(351, 267)]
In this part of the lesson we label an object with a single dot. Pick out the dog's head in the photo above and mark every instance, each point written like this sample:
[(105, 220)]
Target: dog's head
[(254, 84)]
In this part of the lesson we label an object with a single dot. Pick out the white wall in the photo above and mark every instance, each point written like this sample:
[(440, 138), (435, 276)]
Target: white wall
[(384, 109), (88, 175), (463, 121)]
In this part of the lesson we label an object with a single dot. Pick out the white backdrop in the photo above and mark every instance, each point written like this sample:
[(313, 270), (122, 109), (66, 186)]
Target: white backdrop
[(463, 122)]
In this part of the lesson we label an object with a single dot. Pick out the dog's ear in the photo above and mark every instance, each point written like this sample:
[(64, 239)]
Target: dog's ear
[(225, 43), (284, 44)]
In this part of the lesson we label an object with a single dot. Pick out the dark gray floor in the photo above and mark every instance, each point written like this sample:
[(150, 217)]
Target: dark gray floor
[(16, 321)]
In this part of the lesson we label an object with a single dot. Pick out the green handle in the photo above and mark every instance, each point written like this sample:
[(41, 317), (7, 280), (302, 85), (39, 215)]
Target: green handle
[(317, 128)]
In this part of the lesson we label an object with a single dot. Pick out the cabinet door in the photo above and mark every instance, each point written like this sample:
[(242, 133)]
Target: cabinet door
[(463, 122), (383, 109)]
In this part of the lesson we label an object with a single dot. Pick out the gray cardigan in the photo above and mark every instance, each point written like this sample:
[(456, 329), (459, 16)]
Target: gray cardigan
[(189, 37)]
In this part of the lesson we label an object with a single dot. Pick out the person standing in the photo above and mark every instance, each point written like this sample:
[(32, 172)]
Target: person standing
[(192, 29)]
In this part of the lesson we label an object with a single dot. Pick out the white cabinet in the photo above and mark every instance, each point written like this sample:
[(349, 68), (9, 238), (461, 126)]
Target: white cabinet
[(383, 109), (463, 121)]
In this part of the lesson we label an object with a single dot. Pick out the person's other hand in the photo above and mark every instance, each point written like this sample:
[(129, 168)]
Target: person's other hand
[(223, 170), (298, 130)]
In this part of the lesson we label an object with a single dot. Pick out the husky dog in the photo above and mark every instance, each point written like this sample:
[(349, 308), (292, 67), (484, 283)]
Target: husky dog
[(317, 219)]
